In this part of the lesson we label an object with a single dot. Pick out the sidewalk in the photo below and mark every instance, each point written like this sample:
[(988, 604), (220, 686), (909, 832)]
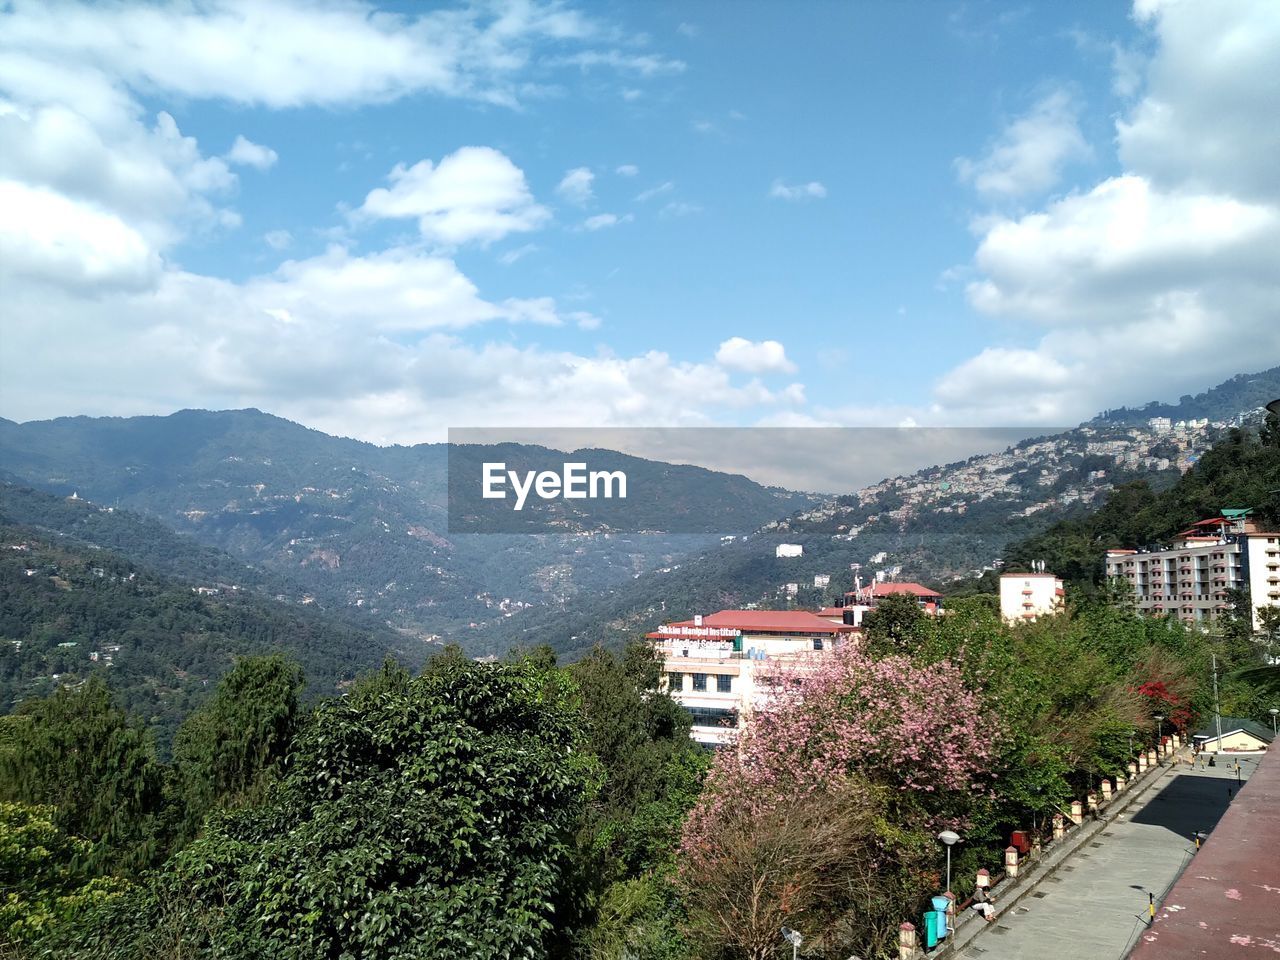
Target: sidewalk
[(1094, 906)]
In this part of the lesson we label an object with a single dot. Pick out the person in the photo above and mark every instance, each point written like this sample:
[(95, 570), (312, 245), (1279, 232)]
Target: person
[(982, 904)]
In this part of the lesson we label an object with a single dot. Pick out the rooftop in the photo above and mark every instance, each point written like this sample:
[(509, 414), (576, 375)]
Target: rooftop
[(888, 589), (762, 621)]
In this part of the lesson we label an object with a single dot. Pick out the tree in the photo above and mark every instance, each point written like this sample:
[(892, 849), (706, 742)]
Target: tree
[(433, 822), (226, 751), (896, 625), (812, 862), (80, 754), (651, 772), (43, 875), (889, 749)]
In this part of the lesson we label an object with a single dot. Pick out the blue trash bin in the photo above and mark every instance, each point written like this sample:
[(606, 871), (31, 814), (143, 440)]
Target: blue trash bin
[(930, 929), (940, 905)]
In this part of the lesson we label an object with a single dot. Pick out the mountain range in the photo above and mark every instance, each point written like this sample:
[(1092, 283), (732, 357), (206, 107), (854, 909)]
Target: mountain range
[(247, 500)]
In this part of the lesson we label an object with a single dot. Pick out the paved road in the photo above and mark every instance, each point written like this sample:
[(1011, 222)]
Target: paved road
[(1095, 905)]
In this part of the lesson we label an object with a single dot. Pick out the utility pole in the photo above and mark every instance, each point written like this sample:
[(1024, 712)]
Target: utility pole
[(1217, 712)]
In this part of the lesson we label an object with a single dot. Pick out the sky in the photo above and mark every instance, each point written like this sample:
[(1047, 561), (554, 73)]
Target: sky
[(386, 221)]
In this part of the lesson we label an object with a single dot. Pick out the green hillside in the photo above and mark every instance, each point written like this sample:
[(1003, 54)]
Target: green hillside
[(69, 611)]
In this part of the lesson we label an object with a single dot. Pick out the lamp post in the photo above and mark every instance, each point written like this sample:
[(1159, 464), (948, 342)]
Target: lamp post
[(1273, 711), (792, 937), (949, 838), (1132, 734), (1159, 730)]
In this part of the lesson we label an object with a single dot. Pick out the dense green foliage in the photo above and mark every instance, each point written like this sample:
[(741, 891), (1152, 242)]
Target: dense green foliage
[(480, 810)]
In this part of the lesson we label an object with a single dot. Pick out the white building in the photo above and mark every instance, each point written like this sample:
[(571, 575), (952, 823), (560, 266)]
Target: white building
[(1190, 578), (789, 550), (1026, 596), (718, 667)]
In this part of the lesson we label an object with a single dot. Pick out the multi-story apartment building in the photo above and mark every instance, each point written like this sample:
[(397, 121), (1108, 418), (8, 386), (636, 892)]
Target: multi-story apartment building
[(1026, 596), (1190, 578), (721, 667)]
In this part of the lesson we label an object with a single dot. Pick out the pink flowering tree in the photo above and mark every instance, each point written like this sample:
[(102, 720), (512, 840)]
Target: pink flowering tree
[(890, 749)]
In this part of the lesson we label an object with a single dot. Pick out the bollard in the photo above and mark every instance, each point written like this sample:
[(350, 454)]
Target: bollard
[(1133, 769), (1152, 759), (906, 941), (1010, 861), (983, 879), (1092, 800), (1121, 782), (1106, 790), (1059, 826), (1035, 847), (1077, 812), (951, 910), (1142, 763)]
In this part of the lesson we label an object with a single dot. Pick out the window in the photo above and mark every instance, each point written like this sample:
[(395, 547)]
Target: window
[(700, 681), (724, 683), (817, 643), (675, 681), (712, 717)]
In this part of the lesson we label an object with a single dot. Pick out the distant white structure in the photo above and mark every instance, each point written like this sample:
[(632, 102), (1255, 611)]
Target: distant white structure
[(1160, 424), (789, 550), (1026, 596), (822, 579)]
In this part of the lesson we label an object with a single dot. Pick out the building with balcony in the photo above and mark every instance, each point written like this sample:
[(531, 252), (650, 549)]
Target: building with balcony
[(1190, 578), (723, 666), (1027, 596)]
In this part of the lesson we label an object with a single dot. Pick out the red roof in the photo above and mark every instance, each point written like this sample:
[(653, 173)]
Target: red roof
[(831, 612), (766, 621), (888, 589)]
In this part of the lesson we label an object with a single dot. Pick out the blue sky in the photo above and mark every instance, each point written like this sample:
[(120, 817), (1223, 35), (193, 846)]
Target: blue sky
[(387, 221)]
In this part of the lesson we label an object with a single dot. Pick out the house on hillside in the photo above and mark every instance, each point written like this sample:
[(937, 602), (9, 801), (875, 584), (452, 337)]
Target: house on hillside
[(1238, 736)]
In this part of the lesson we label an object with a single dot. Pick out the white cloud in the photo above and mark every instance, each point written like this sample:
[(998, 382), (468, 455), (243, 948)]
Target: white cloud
[(813, 190), (48, 237), (475, 194), (655, 191), (627, 170), (1156, 282), (519, 253), (748, 356), (305, 343), (1207, 120), (1031, 153), (603, 220), (642, 64), (278, 239), (679, 208), (249, 154), (287, 53), (576, 186)]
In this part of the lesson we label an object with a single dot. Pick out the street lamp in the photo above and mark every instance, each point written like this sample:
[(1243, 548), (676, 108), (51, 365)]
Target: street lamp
[(1159, 730), (949, 838), (1273, 711), (792, 937), (1132, 734)]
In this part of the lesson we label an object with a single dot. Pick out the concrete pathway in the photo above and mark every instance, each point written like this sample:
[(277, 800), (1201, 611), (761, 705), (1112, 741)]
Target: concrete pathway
[(1094, 906)]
